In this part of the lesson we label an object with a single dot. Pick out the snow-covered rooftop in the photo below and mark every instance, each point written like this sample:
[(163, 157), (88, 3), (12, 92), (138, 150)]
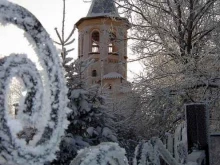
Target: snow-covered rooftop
[(112, 75), (103, 8)]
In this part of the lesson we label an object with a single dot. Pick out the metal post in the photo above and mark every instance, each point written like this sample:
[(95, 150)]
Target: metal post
[(197, 128)]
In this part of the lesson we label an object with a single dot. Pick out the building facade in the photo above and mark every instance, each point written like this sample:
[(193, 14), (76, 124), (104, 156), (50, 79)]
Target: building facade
[(103, 39)]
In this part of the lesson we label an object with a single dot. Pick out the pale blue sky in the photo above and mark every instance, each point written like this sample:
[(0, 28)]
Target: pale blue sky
[(49, 13)]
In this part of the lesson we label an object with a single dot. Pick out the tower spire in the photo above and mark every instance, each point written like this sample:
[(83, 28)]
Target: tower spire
[(103, 8)]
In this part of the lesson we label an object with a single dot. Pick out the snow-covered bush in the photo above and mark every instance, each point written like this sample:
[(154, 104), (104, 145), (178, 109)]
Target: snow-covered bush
[(103, 154), (33, 135)]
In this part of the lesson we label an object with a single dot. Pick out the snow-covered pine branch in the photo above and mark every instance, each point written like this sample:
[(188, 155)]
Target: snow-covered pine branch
[(34, 135)]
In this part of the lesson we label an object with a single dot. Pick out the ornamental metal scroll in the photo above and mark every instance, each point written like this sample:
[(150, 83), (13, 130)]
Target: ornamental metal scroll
[(33, 137)]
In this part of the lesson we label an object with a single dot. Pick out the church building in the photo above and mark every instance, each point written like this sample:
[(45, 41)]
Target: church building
[(103, 39)]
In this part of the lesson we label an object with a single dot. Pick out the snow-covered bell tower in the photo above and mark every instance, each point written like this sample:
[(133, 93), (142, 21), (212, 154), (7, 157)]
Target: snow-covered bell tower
[(103, 38)]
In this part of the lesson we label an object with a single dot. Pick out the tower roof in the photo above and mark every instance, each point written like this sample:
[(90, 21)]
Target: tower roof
[(103, 8)]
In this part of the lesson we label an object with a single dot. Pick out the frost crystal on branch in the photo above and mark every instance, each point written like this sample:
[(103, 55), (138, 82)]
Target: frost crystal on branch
[(33, 136)]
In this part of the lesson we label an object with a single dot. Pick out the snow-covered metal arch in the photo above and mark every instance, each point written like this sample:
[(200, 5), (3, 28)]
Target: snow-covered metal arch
[(44, 107), (103, 154), (149, 153)]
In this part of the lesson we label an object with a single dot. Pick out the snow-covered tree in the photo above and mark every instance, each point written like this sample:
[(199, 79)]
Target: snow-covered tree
[(125, 115), (177, 40), (87, 124), (88, 120)]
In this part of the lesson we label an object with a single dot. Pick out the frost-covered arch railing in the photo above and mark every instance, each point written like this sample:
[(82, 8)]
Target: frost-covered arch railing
[(103, 154), (33, 137), (146, 153), (149, 153)]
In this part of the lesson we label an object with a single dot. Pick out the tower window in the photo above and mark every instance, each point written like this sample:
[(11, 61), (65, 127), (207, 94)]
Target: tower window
[(111, 45), (95, 41), (94, 73), (110, 48), (95, 47)]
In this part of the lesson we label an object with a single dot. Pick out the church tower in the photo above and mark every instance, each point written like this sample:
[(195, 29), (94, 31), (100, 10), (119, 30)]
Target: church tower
[(103, 38)]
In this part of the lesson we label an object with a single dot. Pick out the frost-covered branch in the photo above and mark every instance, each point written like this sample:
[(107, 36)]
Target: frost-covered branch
[(177, 43)]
